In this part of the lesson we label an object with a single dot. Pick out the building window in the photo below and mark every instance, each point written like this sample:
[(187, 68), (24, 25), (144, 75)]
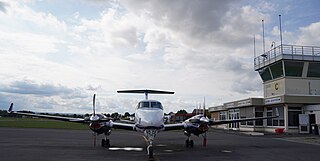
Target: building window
[(293, 68), (269, 114), (313, 70), (293, 116), (277, 70), (265, 74), (275, 121), (234, 115), (259, 114), (243, 122), (222, 115)]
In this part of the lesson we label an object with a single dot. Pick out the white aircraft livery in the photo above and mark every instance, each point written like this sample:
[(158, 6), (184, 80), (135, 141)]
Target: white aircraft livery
[(149, 119)]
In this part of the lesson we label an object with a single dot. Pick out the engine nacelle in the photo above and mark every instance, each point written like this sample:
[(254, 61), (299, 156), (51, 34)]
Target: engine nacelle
[(196, 129), (101, 127)]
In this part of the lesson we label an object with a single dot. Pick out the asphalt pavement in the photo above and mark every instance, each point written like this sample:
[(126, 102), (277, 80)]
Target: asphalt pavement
[(18, 144)]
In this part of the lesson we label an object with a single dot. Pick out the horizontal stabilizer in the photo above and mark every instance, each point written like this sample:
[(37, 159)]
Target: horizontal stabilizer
[(145, 91)]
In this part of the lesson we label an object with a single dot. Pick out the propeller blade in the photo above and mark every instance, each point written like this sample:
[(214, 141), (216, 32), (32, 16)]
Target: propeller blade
[(204, 106), (94, 105)]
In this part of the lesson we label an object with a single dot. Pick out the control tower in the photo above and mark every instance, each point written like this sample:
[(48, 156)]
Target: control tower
[(291, 82)]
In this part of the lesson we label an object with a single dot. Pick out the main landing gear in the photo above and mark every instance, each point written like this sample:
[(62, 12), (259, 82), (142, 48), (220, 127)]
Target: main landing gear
[(189, 142), (106, 142)]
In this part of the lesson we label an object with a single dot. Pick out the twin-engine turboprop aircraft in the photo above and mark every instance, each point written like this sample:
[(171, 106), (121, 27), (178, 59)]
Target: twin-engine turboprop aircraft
[(149, 119)]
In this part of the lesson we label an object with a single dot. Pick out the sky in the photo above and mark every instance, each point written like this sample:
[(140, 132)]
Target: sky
[(55, 54)]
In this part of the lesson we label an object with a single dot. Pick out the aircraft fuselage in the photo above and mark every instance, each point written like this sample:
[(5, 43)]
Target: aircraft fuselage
[(149, 115)]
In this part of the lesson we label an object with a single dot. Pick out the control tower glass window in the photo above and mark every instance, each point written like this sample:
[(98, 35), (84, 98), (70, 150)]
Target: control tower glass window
[(314, 69), (293, 68), (265, 74), (277, 70)]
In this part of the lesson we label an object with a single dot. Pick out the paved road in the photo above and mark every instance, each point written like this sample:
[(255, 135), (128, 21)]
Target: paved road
[(76, 145)]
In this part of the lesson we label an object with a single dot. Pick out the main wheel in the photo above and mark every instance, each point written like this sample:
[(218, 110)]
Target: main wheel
[(187, 143), (107, 143), (103, 143), (191, 143)]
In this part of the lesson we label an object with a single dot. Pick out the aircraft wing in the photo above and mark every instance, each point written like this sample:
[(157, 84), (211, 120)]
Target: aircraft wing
[(70, 119), (124, 126), (178, 126)]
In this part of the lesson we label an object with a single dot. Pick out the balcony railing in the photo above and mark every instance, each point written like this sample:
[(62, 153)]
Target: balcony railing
[(288, 52)]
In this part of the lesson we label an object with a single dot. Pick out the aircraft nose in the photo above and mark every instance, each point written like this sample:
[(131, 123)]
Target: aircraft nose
[(151, 118)]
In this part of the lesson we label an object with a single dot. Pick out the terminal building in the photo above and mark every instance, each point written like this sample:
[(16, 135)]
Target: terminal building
[(291, 83)]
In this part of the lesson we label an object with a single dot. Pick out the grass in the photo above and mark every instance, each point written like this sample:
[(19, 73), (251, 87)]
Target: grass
[(40, 123)]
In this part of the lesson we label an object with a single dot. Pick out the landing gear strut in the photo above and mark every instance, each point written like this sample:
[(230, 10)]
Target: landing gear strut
[(106, 142), (150, 134), (150, 152)]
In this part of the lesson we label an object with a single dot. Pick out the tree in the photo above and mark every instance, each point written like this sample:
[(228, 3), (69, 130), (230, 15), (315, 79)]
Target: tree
[(115, 115), (127, 114), (182, 112)]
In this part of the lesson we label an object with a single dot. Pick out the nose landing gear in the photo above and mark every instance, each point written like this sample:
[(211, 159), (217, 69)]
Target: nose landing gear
[(150, 134)]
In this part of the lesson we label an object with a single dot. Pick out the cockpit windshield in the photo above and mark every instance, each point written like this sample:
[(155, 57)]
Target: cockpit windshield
[(150, 104)]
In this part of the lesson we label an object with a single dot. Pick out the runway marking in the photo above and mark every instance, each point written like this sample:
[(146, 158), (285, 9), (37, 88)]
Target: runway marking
[(226, 151), (126, 149)]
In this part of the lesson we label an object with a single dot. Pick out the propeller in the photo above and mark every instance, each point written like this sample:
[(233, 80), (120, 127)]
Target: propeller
[(93, 119), (94, 104), (206, 121)]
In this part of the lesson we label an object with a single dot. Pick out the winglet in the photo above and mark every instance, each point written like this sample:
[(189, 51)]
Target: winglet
[(10, 108)]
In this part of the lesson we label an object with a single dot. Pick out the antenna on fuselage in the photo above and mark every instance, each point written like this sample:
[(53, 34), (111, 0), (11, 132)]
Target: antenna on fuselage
[(146, 92)]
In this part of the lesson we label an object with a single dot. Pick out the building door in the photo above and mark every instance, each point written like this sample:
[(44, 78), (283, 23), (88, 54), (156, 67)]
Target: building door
[(233, 115)]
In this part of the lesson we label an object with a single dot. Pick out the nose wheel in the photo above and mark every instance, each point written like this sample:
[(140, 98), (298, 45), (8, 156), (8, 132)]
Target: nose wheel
[(150, 134), (150, 152)]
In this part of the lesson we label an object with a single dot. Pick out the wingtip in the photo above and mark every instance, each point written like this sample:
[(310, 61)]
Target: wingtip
[(10, 108)]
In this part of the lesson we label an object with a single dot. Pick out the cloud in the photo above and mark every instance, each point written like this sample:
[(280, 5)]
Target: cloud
[(3, 7), (30, 95), (195, 48), (310, 34), (27, 87)]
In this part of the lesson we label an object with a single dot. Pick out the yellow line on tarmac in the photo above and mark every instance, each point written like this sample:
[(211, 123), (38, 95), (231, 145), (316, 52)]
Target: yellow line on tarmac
[(145, 139)]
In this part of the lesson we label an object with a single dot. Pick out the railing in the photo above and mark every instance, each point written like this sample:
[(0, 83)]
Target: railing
[(291, 52)]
